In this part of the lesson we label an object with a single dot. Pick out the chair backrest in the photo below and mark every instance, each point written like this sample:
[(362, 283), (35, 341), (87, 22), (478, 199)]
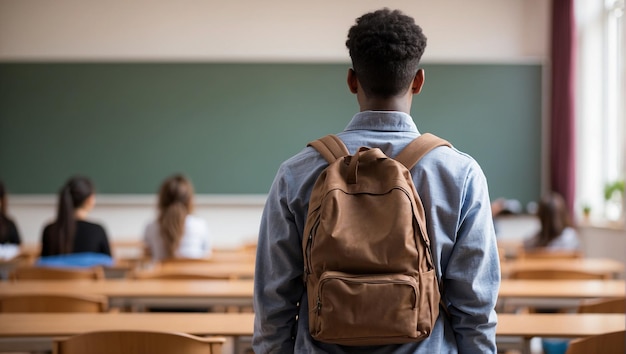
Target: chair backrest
[(52, 303), (542, 253), (185, 261), (551, 274), (50, 273), (177, 275), (137, 342), (617, 305), (608, 343)]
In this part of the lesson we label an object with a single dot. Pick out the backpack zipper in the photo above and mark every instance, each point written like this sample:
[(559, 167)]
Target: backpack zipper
[(309, 245), (333, 275)]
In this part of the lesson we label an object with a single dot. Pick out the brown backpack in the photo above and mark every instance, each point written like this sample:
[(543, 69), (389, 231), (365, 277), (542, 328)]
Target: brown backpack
[(369, 271)]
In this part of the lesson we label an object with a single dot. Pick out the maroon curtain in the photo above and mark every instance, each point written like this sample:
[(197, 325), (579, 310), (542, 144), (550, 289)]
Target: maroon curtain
[(562, 128)]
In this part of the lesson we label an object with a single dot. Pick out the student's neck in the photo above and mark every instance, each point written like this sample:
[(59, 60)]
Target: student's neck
[(386, 104), (81, 214)]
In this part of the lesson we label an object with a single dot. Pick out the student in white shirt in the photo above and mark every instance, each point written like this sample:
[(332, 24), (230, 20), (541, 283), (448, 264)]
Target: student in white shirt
[(176, 233)]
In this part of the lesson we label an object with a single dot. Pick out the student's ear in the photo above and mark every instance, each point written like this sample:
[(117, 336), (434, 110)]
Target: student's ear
[(353, 84), (418, 82)]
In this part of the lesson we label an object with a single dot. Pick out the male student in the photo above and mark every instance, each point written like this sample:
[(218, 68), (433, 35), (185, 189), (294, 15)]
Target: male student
[(385, 47)]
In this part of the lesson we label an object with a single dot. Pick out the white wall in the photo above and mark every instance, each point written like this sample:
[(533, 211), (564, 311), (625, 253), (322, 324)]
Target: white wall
[(271, 30), (483, 31)]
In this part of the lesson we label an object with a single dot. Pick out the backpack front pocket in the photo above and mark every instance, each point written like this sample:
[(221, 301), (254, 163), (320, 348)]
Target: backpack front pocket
[(366, 309)]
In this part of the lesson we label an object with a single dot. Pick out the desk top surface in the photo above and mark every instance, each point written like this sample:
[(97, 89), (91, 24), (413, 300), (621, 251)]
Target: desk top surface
[(576, 289), (562, 288), (559, 325), (241, 324), (133, 288), (594, 265)]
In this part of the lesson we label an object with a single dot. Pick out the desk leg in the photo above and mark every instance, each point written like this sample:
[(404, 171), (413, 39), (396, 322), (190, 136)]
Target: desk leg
[(526, 345)]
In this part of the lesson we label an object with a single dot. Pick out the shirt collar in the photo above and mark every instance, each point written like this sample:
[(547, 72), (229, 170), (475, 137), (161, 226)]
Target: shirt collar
[(382, 121)]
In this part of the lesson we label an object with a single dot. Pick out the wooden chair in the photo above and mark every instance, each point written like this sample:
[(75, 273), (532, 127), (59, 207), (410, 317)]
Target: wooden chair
[(137, 342), (608, 343), (180, 275), (617, 305), (551, 274), (185, 261), (543, 253), (177, 275), (49, 273), (53, 303)]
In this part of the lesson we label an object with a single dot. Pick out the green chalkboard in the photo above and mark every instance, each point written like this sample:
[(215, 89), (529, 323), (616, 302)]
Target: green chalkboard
[(229, 125)]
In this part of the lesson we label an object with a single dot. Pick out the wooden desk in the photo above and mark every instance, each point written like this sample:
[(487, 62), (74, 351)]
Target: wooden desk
[(137, 294), (20, 329), (527, 326), (561, 294), (35, 332), (563, 289), (559, 324), (602, 266), (66, 324)]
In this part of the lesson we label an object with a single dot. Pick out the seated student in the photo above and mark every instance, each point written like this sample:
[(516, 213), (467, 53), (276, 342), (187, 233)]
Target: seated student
[(176, 233), (9, 235), (8, 230), (556, 232), (71, 233)]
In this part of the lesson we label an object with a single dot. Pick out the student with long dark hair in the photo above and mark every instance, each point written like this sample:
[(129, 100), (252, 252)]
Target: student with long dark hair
[(557, 231), (177, 233), (8, 230), (71, 232)]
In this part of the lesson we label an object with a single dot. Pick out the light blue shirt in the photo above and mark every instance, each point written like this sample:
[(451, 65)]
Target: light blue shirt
[(453, 190)]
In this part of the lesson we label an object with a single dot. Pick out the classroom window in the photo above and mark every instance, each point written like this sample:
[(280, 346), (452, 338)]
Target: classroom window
[(600, 107)]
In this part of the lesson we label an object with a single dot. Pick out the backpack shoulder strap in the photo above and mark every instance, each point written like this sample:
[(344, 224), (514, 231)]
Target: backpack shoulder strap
[(419, 147), (331, 147)]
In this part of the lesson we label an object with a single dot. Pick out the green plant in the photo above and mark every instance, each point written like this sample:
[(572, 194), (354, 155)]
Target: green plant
[(613, 187), (586, 209)]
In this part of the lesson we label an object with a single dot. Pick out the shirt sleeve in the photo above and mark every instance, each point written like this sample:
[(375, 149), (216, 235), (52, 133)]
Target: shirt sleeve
[(278, 284), (472, 279)]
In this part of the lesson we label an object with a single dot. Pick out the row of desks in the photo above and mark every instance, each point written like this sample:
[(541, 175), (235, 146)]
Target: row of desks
[(241, 265), (602, 266), (18, 330), (137, 293), (609, 268), (120, 288)]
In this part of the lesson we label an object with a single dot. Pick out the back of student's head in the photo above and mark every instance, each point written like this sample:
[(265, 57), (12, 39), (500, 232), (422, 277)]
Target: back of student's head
[(175, 203), (73, 195), (386, 47), (553, 216)]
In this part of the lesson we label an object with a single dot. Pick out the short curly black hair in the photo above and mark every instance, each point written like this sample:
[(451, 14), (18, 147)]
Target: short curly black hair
[(386, 47)]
